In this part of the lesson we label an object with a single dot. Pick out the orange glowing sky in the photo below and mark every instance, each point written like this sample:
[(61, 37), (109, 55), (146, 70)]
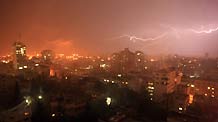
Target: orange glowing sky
[(87, 26)]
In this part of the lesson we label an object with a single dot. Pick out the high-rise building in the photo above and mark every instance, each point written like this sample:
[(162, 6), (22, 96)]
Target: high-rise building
[(124, 61), (139, 60), (128, 61), (19, 56), (165, 82)]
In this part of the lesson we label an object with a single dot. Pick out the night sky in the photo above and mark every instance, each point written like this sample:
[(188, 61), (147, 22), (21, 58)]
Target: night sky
[(94, 26)]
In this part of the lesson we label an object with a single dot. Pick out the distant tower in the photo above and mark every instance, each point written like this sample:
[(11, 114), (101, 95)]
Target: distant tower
[(19, 53)]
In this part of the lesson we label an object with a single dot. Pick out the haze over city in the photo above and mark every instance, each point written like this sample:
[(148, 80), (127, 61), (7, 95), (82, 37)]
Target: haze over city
[(108, 60), (186, 27)]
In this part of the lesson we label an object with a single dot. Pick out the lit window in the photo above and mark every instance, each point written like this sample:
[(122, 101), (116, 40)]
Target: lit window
[(102, 65), (53, 115), (119, 75), (20, 68), (150, 87)]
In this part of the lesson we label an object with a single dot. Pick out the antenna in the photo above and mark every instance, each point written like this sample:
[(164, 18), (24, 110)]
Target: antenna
[(19, 37)]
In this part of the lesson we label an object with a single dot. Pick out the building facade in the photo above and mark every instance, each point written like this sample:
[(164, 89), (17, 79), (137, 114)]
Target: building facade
[(19, 56)]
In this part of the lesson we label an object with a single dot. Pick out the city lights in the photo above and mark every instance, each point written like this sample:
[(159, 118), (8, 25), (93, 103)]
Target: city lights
[(152, 60), (109, 61), (40, 97), (20, 68), (28, 100), (180, 108), (102, 65), (53, 115), (26, 113), (150, 87), (119, 75), (108, 101), (191, 99)]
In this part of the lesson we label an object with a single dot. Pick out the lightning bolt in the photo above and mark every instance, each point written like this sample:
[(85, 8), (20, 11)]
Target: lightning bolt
[(204, 31), (177, 32), (148, 39), (135, 38)]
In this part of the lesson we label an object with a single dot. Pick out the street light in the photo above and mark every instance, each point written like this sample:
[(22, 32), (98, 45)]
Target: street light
[(28, 100), (26, 113), (108, 101), (40, 97)]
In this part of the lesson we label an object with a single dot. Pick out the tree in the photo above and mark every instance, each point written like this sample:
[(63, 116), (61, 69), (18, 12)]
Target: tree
[(17, 95)]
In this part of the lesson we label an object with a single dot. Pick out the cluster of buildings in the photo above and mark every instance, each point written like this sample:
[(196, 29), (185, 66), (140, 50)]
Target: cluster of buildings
[(175, 82)]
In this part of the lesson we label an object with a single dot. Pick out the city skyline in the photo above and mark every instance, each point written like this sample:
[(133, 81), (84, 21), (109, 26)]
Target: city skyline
[(93, 27), (108, 60)]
